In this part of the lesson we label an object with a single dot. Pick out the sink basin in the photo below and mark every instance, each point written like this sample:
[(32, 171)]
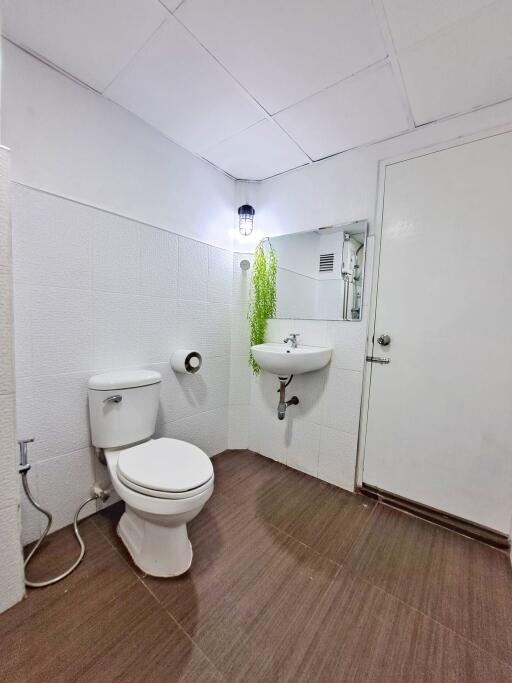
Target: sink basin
[(282, 360)]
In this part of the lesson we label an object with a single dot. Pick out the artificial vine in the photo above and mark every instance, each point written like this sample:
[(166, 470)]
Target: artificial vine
[(263, 296)]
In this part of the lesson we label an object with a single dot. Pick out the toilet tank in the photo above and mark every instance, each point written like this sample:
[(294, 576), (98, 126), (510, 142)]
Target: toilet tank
[(123, 406)]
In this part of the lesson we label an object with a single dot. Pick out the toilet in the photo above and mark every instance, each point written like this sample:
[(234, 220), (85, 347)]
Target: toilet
[(164, 482)]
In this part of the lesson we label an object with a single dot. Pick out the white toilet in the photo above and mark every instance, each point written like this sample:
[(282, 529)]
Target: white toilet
[(164, 482)]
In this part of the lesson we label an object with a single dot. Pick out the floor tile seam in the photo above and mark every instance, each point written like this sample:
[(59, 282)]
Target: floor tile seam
[(140, 579), (177, 623), (116, 550), (298, 540), (435, 621), (360, 534)]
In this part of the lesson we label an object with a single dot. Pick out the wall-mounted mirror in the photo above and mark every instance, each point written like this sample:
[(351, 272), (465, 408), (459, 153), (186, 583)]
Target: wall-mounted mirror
[(321, 272)]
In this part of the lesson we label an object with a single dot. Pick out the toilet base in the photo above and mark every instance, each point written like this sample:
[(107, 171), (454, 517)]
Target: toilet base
[(157, 549)]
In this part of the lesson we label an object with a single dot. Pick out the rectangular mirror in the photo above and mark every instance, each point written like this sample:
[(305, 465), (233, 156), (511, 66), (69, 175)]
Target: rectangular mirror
[(320, 273)]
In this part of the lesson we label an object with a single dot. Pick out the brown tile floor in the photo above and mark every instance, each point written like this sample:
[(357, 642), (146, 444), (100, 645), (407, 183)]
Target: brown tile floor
[(292, 580)]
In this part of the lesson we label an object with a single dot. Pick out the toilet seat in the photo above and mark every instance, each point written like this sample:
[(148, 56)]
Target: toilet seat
[(165, 468)]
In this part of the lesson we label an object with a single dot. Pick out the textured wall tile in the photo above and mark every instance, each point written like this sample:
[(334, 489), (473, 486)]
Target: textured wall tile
[(22, 304), (218, 320), (116, 330), (158, 329), (158, 263), (337, 457), (278, 329), (11, 567), (24, 408), (192, 270), (220, 275), (186, 395), (241, 279), (240, 380), (64, 483), (12, 587), (348, 341), (341, 402), (192, 325), (60, 419), (116, 254), (6, 330), (240, 333), (6, 316), (51, 239), (106, 299), (274, 435), (180, 395), (238, 436), (204, 327), (8, 471), (310, 389), (302, 440), (61, 330), (208, 431)]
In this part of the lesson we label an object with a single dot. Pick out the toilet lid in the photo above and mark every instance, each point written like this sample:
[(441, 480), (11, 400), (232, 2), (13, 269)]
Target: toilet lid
[(165, 465)]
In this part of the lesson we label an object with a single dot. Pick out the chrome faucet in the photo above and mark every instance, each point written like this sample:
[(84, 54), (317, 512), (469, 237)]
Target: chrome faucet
[(292, 337)]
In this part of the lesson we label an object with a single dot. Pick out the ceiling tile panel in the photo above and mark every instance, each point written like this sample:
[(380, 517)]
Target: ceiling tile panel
[(463, 67), (283, 51), (171, 4), (257, 153), (362, 109), (177, 87), (413, 20), (91, 40)]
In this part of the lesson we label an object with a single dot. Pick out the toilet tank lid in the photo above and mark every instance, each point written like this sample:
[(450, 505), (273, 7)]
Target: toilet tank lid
[(124, 379)]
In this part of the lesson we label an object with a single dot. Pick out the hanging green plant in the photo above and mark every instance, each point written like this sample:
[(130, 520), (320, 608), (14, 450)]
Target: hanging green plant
[(262, 304)]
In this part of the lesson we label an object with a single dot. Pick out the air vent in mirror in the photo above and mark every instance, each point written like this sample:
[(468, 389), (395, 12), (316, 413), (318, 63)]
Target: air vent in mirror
[(326, 263)]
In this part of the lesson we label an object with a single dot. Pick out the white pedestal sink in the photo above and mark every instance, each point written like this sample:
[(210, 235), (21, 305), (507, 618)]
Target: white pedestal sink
[(282, 360)]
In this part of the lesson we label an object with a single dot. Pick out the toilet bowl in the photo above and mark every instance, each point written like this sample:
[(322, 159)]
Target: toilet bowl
[(164, 482)]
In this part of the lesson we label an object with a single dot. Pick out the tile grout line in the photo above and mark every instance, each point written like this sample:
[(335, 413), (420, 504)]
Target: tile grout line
[(175, 621), (278, 528), (435, 621), (297, 540), (363, 529), (141, 580), (416, 609)]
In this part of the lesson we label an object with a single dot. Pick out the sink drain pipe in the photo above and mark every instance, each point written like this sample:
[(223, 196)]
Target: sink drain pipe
[(98, 493), (283, 404)]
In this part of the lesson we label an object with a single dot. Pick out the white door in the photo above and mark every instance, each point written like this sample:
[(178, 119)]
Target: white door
[(439, 427)]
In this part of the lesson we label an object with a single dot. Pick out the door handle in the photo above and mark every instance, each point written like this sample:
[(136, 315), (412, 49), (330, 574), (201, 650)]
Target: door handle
[(376, 359), (384, 340)]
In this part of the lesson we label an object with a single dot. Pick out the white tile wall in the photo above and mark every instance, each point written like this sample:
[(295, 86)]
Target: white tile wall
[(94, 291), (320, 435), (192, 270), (139, 294), (64, 483), (206, 430), (11, 564)]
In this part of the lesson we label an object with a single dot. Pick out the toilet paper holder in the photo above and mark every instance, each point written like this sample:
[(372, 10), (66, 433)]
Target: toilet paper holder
[(186, 361)]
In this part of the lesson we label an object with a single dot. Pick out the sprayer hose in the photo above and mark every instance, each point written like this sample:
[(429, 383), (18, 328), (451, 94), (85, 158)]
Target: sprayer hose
[(48, 515)]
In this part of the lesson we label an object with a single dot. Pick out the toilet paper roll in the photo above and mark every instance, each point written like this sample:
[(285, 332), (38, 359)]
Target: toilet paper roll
[(186, 361)]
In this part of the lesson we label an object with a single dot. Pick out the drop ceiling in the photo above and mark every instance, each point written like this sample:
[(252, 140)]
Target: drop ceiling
[(259, 87)]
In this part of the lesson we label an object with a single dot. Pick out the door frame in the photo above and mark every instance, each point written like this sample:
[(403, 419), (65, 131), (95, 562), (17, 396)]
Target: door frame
[(374, 274)]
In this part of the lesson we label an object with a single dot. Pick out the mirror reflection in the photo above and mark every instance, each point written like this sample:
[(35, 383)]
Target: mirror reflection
[(320, 272)]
